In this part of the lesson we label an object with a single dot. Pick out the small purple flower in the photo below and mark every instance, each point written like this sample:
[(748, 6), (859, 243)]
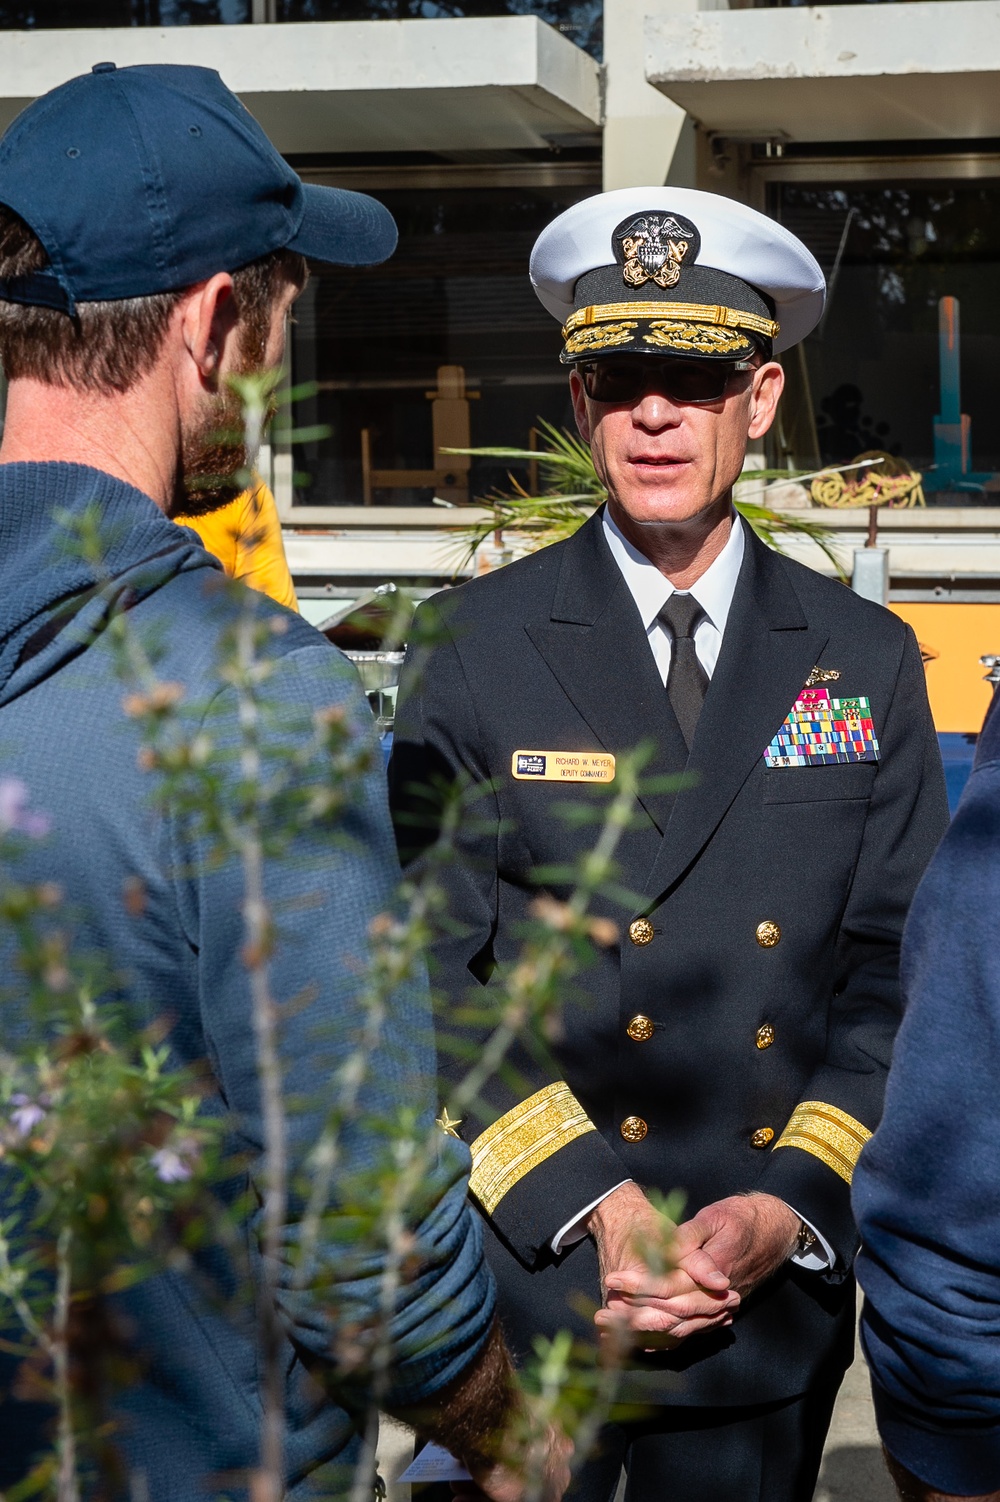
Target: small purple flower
[(26, 1115), (175, 1165), (170, 1166), (15, 816)]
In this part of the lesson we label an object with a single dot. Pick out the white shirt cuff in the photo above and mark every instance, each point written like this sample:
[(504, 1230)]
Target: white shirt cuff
[(576, 1229), (820, 1257)]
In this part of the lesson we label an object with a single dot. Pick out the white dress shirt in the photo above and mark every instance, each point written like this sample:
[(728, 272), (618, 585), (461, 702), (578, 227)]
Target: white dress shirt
[(651, 590), (714, 592)]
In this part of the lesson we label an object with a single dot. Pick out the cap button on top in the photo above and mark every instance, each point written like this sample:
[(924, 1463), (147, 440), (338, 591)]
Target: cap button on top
[(633, 1129), (104, 68), (768, 933), (640, 931), (640, 1029), (765, 1035)]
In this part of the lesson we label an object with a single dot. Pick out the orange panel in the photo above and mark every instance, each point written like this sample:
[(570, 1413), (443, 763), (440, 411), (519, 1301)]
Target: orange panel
[(960, 635)]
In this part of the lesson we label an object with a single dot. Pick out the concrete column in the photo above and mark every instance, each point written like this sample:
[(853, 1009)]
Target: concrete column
[(648, 140)]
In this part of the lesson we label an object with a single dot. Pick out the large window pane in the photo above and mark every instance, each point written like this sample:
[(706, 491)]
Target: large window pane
[(456, 297), (891, 252), (580, 20), (21, 15)]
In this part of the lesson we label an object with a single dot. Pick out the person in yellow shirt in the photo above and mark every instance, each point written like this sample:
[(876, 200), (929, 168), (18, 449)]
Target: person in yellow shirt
[(245, 536)]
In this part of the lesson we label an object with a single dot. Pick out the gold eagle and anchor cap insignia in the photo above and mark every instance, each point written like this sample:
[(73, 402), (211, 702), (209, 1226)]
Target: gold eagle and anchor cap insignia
[(674, 272), (653, 247)]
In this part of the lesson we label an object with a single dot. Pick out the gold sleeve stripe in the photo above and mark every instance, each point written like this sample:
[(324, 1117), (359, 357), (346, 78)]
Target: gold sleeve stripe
[(731, 318), (828, 1133), (528, 1134)]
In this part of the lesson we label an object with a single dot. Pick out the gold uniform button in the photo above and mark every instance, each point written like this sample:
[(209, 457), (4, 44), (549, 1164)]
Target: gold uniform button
[(765, 1035), (640, 1029), (762, 1136), (641, 931), (768, 934), (633, 1129)]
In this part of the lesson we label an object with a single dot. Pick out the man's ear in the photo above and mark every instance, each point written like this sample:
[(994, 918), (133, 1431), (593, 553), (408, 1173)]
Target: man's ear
[(768, 384), (208, 323), (579, 399)]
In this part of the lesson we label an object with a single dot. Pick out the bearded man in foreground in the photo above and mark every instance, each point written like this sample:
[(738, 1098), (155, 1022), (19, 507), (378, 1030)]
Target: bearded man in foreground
[(151, 243)]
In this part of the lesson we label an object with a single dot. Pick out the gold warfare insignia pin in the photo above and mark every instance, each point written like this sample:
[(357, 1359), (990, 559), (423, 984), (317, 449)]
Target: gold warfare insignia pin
[(822, 675), (562, 766), (448, 1124), (652, 247)]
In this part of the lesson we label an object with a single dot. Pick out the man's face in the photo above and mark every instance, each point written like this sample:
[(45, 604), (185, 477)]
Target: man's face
[(668, 461), (213, 453)]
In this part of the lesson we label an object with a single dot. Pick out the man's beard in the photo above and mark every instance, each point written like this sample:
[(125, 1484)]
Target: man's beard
[(213, 467)]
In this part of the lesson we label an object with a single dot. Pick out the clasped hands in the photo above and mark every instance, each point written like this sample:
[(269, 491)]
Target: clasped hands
[(700, 1270)]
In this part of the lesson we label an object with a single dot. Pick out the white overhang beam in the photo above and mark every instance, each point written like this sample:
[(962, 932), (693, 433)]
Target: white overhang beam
[(905, 71), (503, 83)]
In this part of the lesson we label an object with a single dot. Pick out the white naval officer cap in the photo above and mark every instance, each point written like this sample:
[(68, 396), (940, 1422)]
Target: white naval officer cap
[(675, 271)]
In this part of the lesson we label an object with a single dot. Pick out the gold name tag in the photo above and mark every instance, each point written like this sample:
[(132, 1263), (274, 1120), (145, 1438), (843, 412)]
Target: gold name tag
[(562, 766)]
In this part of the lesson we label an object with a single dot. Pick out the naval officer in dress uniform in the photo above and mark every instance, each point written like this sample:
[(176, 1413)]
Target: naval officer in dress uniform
[(734, 1042)]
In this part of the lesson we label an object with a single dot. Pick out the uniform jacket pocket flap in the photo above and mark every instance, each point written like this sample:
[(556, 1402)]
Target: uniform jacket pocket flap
[(811, 784)]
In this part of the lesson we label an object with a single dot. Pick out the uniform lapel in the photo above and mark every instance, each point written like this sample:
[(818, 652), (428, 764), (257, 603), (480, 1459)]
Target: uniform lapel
[(597, 648), (768, 651)]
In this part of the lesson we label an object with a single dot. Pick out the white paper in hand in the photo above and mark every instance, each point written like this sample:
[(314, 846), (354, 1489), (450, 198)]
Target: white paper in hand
[(435, 1464)]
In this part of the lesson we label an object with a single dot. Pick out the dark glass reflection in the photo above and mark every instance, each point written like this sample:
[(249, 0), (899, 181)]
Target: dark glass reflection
[(25, 15), (20, 15), (890, 253), (456, 293), (580, 20)]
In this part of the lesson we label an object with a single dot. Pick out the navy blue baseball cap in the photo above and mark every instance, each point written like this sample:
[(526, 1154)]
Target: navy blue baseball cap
[(153, 178)]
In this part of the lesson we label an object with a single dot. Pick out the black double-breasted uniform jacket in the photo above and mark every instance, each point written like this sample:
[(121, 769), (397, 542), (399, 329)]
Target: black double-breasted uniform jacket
[(765, 979)]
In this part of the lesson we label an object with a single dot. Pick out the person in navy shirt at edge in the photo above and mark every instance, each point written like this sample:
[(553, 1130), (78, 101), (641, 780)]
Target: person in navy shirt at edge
[(927, 1188)]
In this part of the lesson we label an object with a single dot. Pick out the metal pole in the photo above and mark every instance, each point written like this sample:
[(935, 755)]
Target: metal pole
[(263, 11), (870, 576)]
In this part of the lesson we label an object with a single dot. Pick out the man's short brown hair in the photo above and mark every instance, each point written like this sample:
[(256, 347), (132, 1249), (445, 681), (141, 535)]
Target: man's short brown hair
[(108, 346)]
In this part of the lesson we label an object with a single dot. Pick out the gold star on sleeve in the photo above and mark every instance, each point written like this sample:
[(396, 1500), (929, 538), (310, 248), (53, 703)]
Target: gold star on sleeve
[(447, 1125)]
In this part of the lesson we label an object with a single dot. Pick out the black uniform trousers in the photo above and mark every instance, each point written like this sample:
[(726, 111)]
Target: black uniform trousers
[(767, 1453)]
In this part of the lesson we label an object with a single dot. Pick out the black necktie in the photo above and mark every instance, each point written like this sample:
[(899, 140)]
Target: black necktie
[(687, 680)]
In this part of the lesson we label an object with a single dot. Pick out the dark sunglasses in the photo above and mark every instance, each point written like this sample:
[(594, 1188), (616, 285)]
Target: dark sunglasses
[(621, 382)]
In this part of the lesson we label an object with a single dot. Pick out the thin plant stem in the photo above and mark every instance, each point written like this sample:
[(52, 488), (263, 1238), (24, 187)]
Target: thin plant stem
[(411, 1165), (269, 1482), (56, 1347), (67, 1483), (10, 1284)]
